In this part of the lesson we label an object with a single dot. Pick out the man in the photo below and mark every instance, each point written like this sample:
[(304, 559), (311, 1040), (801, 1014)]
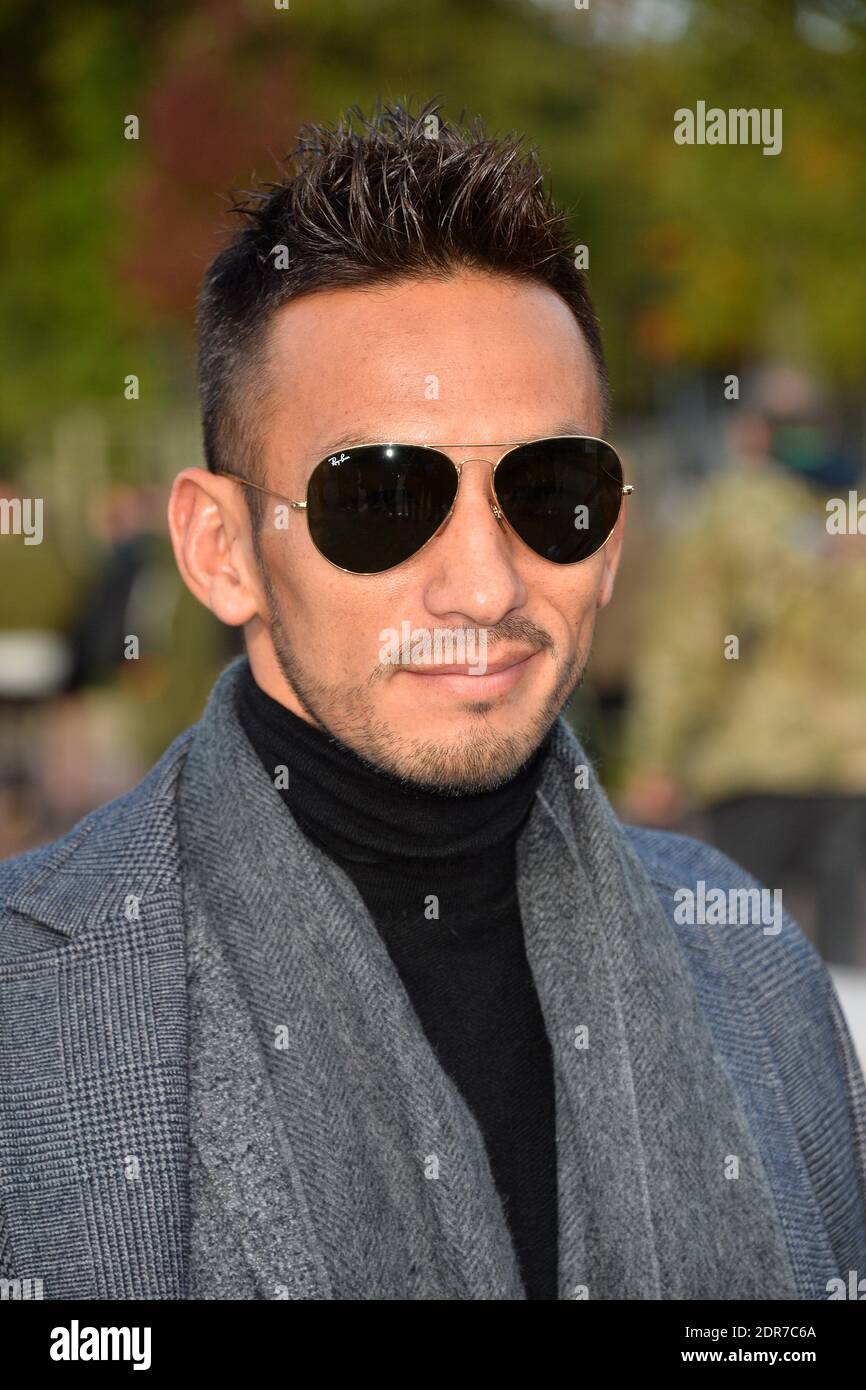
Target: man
[(364, 993), (767, 752)]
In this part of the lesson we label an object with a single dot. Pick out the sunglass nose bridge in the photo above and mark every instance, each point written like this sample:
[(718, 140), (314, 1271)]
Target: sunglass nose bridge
[(475, 458), (491, 463)]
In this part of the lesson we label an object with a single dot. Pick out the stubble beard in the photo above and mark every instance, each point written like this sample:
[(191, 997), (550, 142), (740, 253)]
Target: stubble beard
[(479, 760)]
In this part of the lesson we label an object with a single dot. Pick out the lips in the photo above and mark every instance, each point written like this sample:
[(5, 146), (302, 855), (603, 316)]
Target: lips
[(460, 682), (501, 663)]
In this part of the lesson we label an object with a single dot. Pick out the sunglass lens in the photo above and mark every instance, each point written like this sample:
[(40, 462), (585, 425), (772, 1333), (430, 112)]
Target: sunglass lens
[(373, 507), (561, 496)]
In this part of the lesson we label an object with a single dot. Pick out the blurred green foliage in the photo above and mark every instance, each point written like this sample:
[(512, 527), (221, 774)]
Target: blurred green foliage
[(700, 256)]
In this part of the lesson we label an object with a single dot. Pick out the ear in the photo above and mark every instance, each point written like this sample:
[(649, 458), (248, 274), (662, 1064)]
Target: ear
[(611, 555), (210, 533)]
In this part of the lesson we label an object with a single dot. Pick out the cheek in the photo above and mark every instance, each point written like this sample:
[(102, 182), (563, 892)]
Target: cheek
[(577, 595), (303, 607), (341, 616)]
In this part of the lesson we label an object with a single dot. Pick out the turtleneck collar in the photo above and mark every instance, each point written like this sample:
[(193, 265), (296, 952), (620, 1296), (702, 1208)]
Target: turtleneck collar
[(364, 815)]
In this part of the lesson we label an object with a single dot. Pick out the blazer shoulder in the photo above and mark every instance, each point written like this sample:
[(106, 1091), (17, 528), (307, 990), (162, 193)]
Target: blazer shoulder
[(672, 860), (775, 1014), (131, 839), (675, 863)]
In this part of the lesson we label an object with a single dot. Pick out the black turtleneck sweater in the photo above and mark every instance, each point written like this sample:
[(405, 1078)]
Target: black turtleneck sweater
[(465, 971)]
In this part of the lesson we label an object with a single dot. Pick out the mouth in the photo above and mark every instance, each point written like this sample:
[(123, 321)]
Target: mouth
[(464, 679)]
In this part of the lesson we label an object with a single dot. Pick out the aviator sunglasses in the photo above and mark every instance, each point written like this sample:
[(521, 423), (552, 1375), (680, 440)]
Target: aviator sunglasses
[(372, 507)]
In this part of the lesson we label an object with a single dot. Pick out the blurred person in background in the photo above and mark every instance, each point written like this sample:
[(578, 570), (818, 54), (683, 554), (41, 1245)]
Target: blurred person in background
[(763, 750), (37, 602), (121, 601), (103, 653)]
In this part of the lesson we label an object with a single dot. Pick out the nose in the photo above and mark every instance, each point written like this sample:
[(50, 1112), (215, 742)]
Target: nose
[(472, 573)]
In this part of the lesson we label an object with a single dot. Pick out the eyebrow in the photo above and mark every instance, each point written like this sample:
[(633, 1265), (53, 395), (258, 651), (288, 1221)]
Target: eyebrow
[(352, 439)]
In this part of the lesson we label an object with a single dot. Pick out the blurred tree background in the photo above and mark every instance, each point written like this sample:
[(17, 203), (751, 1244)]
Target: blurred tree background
[(703, 259), (699, 257)]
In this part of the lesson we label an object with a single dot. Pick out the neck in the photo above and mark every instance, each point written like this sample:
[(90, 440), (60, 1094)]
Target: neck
[(364, 814)]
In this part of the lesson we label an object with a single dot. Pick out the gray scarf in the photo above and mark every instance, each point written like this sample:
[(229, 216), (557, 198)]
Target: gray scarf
[(332, 1157)]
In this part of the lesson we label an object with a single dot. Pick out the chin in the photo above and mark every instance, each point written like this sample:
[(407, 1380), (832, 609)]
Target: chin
[(477, 756)]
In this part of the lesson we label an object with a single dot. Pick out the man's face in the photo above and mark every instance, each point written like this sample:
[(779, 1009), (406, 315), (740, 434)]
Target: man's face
[(473, 358)]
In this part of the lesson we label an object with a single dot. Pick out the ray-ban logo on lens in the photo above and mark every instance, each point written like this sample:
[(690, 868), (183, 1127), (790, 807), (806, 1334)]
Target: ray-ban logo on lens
[(334, 461), (438, 646)]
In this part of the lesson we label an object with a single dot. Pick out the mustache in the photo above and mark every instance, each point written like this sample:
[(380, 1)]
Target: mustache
[(519, 629)]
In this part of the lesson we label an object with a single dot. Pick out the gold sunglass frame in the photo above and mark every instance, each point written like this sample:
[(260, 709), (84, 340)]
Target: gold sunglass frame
[(625, 491)]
